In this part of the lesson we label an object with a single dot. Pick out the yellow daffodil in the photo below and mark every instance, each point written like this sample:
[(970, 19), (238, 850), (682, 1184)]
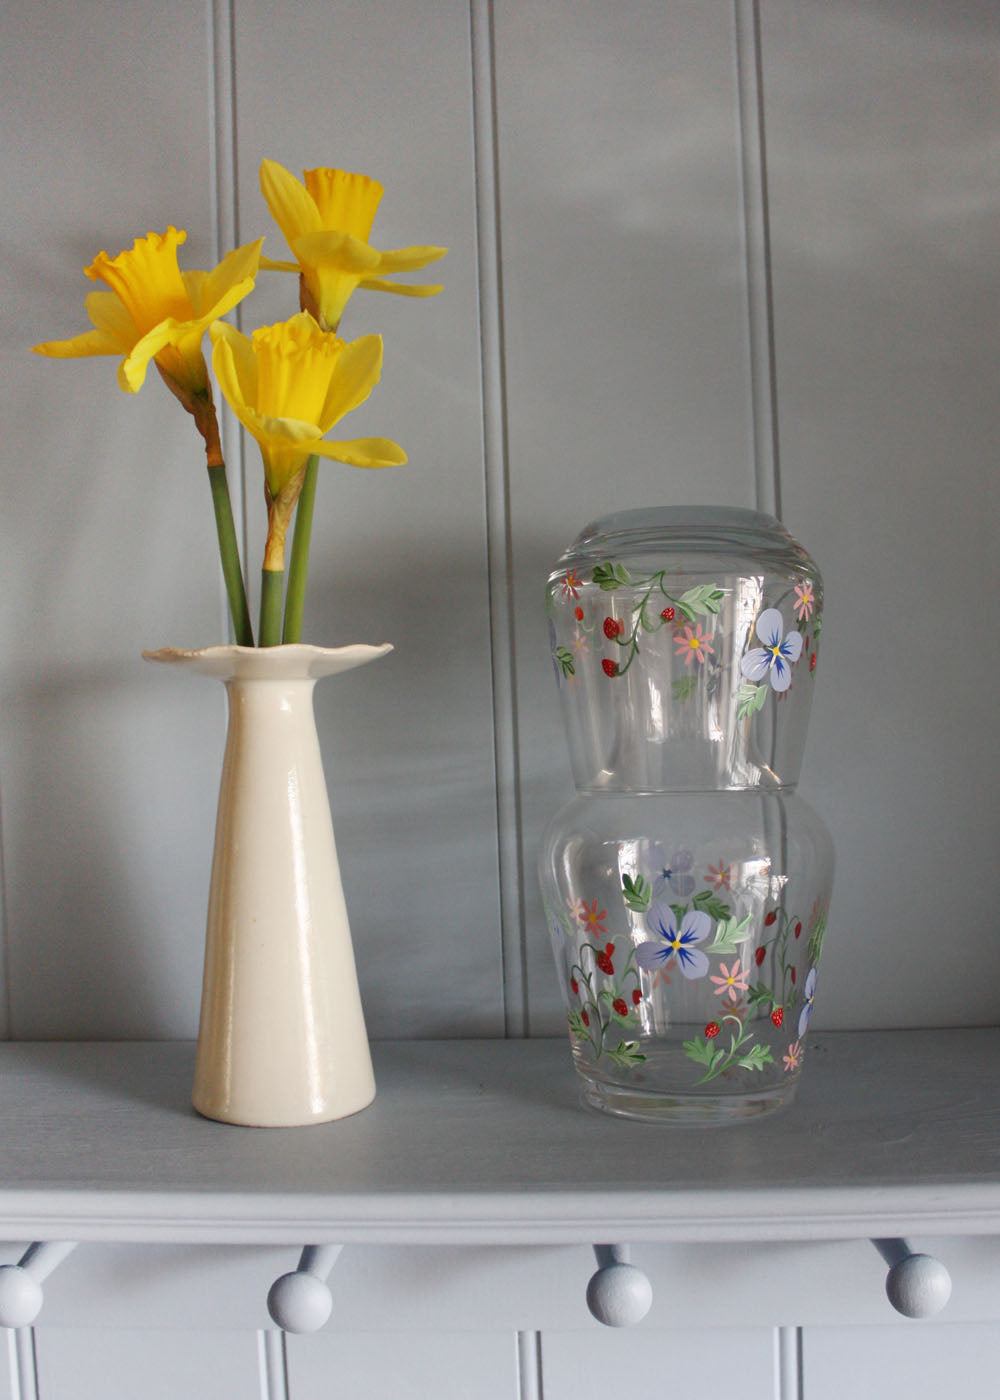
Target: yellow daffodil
[(326, 222), (288, 385), (154, 311)]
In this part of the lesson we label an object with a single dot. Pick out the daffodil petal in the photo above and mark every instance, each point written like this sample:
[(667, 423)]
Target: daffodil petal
[(358, 369), (236, 270), (285, 431), (96, 342), (132, 370), (235, 366), (276, 265), (194, 284), (108, 313), (363, 452), (345, 253), (409, 259), (292, 207), (402, 289)]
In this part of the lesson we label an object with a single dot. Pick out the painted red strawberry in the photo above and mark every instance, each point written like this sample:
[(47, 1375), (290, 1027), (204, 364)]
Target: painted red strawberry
[(603, 960), (793, 976), (760, 955), (798, 927), (771, 917), (778, 1015), (712, 1030), (613, 628), (610, 668), (667, 614), (574, 986), (585, 1018), (812, 662), (578, 613), (619, 1006), (636, 997)]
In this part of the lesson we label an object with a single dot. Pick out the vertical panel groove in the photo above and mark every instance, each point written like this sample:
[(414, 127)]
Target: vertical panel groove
[(757, 252), (497, 501), (529, 1366), (226, 230), (273, 1365), (788, 1363), (6, 1017)]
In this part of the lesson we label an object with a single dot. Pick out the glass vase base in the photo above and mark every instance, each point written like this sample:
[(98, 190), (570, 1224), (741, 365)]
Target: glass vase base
[(643, 1105)]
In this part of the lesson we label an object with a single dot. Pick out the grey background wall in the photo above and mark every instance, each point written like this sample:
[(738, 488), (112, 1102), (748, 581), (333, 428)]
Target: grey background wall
[(699, 252)]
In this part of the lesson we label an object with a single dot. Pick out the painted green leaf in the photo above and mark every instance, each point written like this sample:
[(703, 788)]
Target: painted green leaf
[(749, 699), (756, 1058), (684, 688), (637, 893), (729, 934), (626, 1054), (702, 1051), (704, 599), (611, 576), (816, 940), (759, 993), (565, 659), (577, 1027), (711, 904)]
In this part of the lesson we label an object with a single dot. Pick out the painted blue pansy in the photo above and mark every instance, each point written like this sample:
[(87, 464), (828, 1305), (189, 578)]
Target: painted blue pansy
[(778, 654), (673, 941), (809, 992), (673, 873)]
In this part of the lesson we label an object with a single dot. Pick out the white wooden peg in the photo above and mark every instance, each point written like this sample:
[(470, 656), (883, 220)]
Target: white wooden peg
[(917, 1285), (21, 1283), (300, 1301), (619, 1294)]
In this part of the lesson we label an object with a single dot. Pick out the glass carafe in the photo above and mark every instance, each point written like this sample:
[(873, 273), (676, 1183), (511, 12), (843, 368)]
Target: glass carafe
[(686, 885)]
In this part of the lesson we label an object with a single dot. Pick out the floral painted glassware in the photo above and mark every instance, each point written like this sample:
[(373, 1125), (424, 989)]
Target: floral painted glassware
[(687, 885)]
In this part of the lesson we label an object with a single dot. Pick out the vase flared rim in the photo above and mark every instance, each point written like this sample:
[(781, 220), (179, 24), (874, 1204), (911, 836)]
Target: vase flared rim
[(290, 661)]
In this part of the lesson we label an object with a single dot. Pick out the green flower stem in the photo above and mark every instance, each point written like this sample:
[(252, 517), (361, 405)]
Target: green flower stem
[(271, 589), (229, 553), (298, 568)]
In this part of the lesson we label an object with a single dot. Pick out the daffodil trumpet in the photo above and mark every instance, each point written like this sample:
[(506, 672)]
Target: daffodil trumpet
[(289, 384), (154, 312)]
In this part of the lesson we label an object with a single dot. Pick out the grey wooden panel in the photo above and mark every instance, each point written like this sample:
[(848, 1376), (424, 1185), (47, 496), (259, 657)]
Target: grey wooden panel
[(443, 1364), (8, 1365), (107, 774), (398, 555), (922, 1361), (882, 122), (689, 1361), (624, 316), (77, 1363)]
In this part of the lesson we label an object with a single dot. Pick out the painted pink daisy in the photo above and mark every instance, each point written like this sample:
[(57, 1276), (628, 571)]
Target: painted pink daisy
[(571, 585), (591, 917), (732, 981), (805, 601), (692, 642), (794, 1056), (720, 876)]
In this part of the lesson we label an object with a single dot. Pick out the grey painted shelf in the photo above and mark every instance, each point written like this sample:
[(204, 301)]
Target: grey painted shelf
[(893, 1132)]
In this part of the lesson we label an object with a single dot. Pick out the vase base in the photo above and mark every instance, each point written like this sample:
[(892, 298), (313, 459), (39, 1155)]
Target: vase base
[(691, 1110), (276, 1115)]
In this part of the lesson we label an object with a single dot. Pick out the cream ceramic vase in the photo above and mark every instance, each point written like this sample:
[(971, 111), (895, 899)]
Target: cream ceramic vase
[(282, 1038)]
